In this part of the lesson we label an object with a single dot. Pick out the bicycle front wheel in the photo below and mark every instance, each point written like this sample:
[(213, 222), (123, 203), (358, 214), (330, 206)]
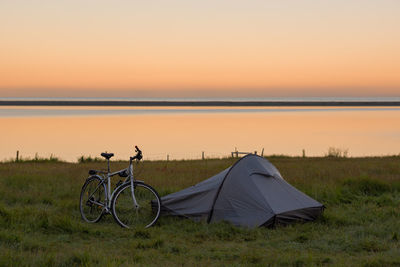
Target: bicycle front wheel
[(145, 214), (92, 201)]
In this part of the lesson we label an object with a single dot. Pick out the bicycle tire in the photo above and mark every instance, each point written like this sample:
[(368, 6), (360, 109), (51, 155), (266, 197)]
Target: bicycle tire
[(92, 199), (128, 216)]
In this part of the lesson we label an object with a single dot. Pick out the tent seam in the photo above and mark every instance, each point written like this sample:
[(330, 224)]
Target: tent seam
[(220, 188)]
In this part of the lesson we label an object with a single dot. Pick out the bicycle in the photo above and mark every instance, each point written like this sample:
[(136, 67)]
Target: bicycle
[(132, 202)]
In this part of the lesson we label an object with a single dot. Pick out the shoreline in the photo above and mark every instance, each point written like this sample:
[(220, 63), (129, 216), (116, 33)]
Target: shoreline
[(122, 103)]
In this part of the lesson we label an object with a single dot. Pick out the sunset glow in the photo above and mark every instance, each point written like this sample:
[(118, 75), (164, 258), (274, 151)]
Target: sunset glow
[(200, 49)]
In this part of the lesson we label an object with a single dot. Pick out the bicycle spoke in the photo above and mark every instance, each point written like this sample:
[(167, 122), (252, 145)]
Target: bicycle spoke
[(92, 200), (128, 215)]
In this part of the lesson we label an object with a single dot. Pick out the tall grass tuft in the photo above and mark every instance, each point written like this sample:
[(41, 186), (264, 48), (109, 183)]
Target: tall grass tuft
[(88, 159), (36, 158)]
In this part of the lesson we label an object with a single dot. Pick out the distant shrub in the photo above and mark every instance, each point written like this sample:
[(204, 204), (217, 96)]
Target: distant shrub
[(337, 152), (85, 159)]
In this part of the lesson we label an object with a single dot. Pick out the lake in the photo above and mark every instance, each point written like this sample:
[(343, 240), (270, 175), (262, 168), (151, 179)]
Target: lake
[(186, 132)]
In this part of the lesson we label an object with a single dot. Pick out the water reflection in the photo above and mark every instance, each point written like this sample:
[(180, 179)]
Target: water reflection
[(186, 132), (105, 111)]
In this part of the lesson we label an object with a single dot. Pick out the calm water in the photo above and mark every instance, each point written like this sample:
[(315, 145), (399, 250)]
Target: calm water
[(69, 132)]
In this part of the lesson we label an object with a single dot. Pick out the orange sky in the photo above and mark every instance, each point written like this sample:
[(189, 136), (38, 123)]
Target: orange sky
[(207, 48)]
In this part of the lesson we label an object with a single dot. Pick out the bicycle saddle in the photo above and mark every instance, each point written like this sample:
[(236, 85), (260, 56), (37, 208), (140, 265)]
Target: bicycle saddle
[(107, 155)]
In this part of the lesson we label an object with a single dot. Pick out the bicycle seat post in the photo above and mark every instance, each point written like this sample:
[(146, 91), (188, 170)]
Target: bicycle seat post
[(107, 156)]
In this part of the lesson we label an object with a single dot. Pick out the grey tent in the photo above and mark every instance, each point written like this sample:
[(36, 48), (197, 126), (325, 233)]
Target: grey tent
[(250, 193)]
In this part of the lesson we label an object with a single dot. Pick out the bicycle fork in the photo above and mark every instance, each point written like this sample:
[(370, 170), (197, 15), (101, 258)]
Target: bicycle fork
[(136, 205)]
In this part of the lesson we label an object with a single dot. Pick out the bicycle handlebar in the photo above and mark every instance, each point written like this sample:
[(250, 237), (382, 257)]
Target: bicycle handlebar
[(139, 154)]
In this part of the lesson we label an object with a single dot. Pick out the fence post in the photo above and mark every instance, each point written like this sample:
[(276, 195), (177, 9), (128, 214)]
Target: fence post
[(167, 157), (17, 157), (202, 155), (304, 153), (262, 153)]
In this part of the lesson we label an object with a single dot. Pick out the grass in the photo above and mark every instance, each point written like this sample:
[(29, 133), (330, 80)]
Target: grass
[(40, 224), (37, 158)]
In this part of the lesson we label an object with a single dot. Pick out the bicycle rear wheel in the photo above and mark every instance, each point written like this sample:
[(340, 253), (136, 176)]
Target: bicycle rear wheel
[(129, 216), (92, 200)]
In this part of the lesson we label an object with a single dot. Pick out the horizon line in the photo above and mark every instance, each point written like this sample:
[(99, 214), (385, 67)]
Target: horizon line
[(202, 103)]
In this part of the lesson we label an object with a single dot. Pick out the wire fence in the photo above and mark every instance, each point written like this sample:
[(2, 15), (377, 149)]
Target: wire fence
[(198, 155), (18, 156), (186, 155), (171, 155)]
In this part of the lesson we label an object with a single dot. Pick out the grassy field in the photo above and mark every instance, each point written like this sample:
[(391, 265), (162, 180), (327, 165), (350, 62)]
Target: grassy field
[(40, 224)]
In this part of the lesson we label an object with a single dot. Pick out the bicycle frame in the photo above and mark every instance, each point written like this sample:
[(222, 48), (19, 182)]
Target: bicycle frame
[(105, 178)]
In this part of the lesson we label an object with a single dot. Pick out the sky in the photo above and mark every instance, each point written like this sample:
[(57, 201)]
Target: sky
[(208, 48)]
